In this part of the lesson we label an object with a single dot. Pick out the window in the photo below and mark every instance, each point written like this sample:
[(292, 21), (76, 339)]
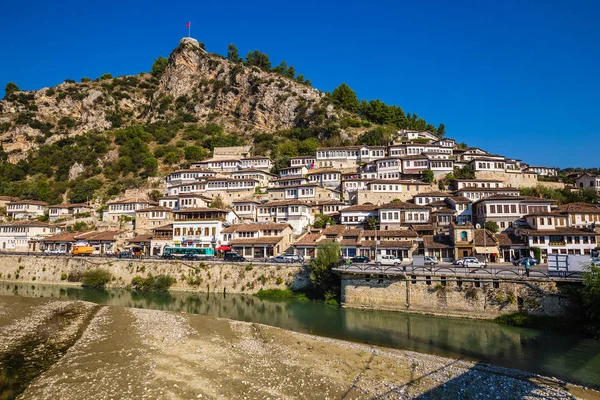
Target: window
[(463, 236)]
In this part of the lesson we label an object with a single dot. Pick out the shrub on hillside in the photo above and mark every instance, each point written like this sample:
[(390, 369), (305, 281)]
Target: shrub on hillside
[(158, 283), (96, 278)]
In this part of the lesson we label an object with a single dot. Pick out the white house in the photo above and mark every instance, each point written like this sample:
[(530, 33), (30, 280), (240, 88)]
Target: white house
[(200, 227), (588, 181), (296, 213), (508, 211), (26, 209), (22, 235), (399, 214), (542, 171), (126, 207), (358, 214)]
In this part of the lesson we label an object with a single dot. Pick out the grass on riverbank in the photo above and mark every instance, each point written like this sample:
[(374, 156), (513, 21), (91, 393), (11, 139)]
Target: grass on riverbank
[(281, 294), (557, 324), (290, 294)]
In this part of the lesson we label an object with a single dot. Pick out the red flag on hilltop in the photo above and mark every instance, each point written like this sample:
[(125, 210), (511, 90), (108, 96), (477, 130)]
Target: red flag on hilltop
[(187, 25)]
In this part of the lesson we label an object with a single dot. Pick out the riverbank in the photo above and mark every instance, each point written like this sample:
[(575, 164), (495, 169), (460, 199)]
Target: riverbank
[(135, 353), (193, 276)]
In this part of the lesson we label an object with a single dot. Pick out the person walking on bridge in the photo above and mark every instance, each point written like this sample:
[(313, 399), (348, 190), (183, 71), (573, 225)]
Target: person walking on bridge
[(527, 266)]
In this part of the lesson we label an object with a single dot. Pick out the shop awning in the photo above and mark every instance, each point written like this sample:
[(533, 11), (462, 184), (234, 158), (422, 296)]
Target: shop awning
[(223, 248)]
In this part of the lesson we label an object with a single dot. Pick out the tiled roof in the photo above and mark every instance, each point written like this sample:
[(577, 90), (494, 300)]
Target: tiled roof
[(433, 194), (283, 203), (200, 209), (33, 223), (141, 239), (308, 239), (397, 181), (334, 230), (479, 235), (163, 228), (389, 244), (108, 236), (444, 210), (245, 201), (33, 202), (254, 227), (480, 189), (155, 208), (558, 231), (422, 227), (505, 240), (580, 208), (267, 240), (437, 242), (460, 199), (361, 207), (9, 198), (391, 233), (130, 201), (61, 237), (401, 204), (505, 197), (76, 205)]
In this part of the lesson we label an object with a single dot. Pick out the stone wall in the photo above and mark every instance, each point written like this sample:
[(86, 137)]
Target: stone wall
[(511, 179), (367, 196), (464, 299), (215, 276), (552, 185)]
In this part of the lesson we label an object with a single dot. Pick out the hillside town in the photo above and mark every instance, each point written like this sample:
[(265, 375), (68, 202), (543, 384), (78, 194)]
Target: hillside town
[(401, 200)]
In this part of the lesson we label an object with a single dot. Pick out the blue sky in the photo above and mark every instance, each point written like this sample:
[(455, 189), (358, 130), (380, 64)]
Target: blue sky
[(518, 78)]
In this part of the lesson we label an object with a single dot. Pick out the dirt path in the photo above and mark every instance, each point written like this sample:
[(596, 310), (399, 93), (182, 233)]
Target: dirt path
[(147, 354)]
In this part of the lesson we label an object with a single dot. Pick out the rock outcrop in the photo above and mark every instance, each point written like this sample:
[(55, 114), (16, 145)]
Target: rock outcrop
[(195, 86)]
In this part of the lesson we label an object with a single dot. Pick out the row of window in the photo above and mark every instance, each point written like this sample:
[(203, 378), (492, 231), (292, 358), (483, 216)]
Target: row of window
[(563, 239), (197, 232)]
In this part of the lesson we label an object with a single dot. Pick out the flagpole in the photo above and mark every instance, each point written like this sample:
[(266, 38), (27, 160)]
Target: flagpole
[(189, 29)]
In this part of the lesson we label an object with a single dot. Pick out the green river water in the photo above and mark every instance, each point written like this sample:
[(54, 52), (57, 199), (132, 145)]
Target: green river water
[(573, 358)]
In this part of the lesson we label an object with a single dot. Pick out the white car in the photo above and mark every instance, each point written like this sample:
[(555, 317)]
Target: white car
[(388, 260), (472, 262)]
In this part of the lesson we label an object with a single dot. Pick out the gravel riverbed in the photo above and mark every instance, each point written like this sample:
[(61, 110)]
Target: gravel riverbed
[(124, 353)]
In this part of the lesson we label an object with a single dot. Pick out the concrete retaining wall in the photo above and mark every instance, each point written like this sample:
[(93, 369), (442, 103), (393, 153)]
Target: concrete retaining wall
[(454, 298), (216, 276)]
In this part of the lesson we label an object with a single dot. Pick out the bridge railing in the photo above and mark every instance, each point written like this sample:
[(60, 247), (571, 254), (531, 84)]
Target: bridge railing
[(458, 271)]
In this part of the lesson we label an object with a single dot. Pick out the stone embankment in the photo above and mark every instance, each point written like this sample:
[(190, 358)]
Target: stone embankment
[(125, 353), (451, 296), (196, 276)]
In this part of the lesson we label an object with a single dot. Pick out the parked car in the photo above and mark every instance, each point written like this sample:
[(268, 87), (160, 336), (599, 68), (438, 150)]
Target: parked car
[(233, 256), (388, 260), (523, 261), (125, 254), (294, 258), (280, 259), (56, 251), (469, 262), (595, 261), (430, 260), (360, 260)]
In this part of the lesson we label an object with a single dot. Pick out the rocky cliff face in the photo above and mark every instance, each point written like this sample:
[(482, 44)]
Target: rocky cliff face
[(236, 96), (196, 86)]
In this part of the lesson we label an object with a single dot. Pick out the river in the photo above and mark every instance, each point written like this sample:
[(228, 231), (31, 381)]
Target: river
[(572, 358)]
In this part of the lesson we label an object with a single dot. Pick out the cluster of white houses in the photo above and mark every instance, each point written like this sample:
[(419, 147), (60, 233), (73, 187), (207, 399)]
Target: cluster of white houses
[(369, 199)]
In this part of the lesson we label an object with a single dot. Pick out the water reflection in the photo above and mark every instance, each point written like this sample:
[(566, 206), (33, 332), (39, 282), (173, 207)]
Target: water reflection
[(573, 358)]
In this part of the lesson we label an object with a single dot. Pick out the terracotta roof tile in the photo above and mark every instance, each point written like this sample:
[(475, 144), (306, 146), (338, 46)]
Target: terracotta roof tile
[(267, 240), (437, 242), (255, 227)]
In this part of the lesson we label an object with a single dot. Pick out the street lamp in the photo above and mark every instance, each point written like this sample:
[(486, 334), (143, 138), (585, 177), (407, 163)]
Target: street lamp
[(376, 242)]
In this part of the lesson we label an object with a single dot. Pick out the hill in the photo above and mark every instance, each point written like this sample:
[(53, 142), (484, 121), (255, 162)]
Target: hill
[(109, 134)]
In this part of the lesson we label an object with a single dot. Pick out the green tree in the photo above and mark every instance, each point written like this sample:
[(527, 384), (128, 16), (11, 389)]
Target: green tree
[(10, 88), (281, 68), (321, 221), (380, 136), (371, 223), (346, 98), (155, 194), (257, 59), (217, 202), (290, 72), (195, 153), (83, 190), (159, 66), (492, 226), (321, 276), (232, 53), (591, 292), (441, 130), (464, 173), (428, 176)]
